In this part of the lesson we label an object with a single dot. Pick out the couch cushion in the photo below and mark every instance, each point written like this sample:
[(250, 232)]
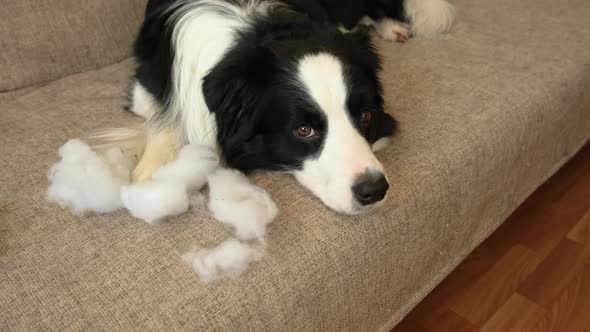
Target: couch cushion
[(487, 114), (41, 40)]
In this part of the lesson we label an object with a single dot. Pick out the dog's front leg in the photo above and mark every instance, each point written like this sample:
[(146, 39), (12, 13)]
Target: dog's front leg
[(161, 148)]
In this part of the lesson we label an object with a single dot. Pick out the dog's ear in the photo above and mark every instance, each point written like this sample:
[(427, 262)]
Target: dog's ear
[(361, 50), (234, 91), (380, 135), (384, 126), (252, 154), (235, 86)]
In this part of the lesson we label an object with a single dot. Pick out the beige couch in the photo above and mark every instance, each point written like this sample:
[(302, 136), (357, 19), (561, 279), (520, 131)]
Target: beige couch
[(487, 113)]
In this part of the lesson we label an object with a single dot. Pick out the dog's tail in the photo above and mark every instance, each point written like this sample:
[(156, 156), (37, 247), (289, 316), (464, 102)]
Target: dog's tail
[(429, 17), (131, 141)]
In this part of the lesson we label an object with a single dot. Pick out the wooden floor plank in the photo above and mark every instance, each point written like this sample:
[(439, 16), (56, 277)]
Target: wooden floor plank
[(581, 232), (555, 272), (408, 325), (546, 225), (570, 310), (431, 311), (494, 288), (562, 198), (517, 315), (449, 321)]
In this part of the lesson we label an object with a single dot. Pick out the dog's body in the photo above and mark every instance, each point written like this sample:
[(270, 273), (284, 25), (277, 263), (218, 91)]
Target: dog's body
[(393, 20), (274, 86)]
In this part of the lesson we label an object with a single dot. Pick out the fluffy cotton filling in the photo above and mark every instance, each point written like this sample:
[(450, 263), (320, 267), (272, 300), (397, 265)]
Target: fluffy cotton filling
[(155, 200), (87, 181), (84, 181), (168, 193), (228, 260), (191, 168), (237, 203)]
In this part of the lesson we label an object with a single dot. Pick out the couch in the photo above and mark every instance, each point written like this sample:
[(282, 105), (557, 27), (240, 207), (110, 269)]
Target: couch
[(487, 113)]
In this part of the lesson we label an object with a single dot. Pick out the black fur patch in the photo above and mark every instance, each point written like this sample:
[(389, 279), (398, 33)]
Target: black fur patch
[(349, 12)]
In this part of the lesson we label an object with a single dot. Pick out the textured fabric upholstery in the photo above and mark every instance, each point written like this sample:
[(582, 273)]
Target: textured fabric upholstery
[(42, 40), (487, 113)]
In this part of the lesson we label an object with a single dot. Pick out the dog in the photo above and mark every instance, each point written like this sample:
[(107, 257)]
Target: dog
[(289, 86)]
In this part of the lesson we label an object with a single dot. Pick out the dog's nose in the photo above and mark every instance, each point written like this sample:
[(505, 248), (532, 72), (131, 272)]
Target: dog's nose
[(370, 188)]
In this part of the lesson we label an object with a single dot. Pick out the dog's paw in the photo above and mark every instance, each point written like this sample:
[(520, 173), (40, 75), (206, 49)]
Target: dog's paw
[(160, 149), (392, 30), (147, 166), (142, 174)]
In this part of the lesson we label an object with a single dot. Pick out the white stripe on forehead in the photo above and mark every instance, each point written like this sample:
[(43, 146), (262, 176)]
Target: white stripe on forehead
[(323, 77), (345, 154)]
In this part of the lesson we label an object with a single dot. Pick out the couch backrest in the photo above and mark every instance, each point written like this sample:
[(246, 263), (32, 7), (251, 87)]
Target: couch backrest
[(42, 40)]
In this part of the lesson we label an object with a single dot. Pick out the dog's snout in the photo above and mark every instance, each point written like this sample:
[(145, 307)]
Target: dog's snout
[(370, 188)]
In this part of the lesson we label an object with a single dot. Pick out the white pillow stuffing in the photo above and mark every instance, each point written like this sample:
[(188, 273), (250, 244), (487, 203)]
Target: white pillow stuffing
[(84, 181), (228, 260), (155, 200), (192, 166), (168, 193), (237, 203)]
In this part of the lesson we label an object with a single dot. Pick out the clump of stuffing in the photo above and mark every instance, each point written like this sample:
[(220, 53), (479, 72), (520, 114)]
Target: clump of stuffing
[(191, 168), (119, 163), (237, 203), (84, 181), (228, 260), (155, 200), (168, 193), (247, 209)]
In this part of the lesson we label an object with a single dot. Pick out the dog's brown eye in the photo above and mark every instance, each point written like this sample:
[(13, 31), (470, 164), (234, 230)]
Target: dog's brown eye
[(305, 131), (365, 118)]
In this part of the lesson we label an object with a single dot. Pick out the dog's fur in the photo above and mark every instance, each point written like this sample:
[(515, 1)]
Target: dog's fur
[(275, 86), (393, 20)]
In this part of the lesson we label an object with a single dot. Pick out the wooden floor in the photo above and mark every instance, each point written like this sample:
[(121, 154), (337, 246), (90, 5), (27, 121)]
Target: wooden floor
[(532, 274)]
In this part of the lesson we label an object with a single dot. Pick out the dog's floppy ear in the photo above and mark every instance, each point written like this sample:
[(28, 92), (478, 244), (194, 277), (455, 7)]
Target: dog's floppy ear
[(361, 50), (384, 128), (380, 132), (235, 89)]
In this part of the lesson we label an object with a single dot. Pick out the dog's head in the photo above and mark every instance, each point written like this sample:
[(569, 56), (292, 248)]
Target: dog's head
[(304, 99)]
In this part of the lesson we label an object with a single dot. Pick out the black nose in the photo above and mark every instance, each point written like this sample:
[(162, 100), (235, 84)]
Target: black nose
[(370, 188)]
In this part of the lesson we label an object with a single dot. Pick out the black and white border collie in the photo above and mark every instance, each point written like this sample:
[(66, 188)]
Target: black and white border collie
[(286, 86)]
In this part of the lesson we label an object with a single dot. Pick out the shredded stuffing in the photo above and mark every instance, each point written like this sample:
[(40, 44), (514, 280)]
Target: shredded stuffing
[(237, 203), (84, 181), (155, 200), (191, 168), (168, 193), (87, 181), (228, 260)]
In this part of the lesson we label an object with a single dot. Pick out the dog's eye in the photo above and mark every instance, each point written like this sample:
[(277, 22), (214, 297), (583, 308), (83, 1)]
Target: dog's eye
[(366, 118), (305, 131)]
